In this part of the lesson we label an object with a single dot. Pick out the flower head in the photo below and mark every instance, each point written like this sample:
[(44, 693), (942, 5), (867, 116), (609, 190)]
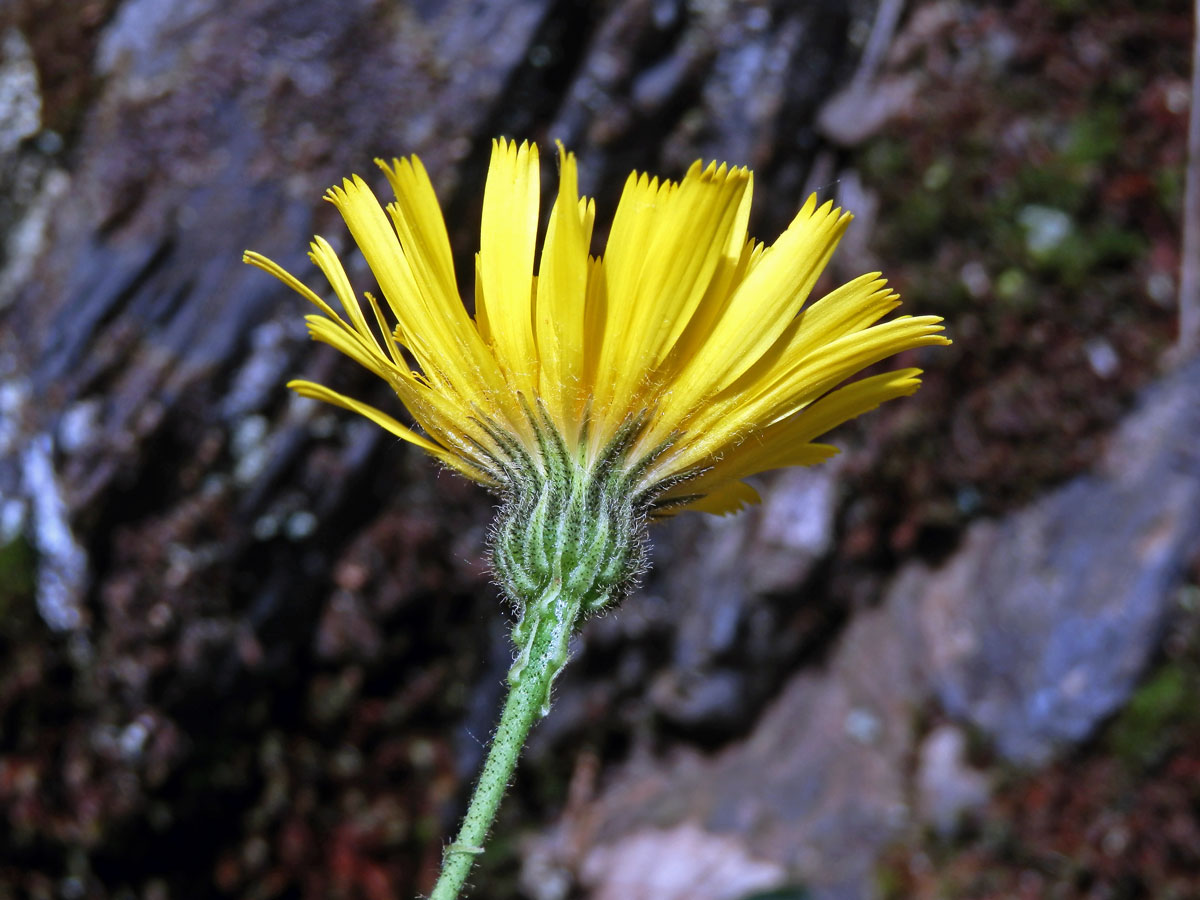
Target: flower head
[(657, 376)]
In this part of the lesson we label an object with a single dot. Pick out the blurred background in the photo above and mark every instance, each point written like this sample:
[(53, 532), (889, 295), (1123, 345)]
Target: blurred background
[(248, 645)]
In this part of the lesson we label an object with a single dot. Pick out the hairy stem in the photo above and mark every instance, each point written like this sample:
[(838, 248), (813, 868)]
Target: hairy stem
[(552, 619)]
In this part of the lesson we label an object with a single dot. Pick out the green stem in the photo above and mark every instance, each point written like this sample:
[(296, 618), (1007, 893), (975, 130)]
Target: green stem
[(552, 619)]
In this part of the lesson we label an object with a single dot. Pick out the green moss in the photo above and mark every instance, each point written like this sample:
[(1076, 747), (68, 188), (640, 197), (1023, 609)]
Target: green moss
[(1056, 184), (1013, 290), (1168, 188), (791, 892), (1094, 137), (885, 159), (426, 829), (921, 222), (1158, 717), (938, 175), (890, 883), (1114, 246), (18, 571)]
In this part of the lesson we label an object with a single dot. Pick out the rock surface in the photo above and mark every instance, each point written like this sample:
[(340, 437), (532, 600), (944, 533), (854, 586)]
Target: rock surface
[(248, 647), (1042, 623), (273, 627)]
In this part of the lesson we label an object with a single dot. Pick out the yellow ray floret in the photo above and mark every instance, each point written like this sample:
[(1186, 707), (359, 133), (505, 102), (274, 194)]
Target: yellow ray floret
[(685, 358)]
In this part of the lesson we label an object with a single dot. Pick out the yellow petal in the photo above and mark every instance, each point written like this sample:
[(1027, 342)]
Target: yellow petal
[(660, 268), (432, 325), (690, 340), (345, 340), (726, 499), (764, 303), (561, 295), (507, 243), (422, 230), (377, 240), (730, 272), (327, 261), (328, 395), (445, 416), (602, 426), (481, 319), (630, 236), (844, 404), (824, 369), (786, 389), (786, 443), (846, 310), (273, 268)]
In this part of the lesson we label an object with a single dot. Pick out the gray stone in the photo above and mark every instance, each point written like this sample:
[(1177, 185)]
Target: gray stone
[(947, 788), (1041, 624), (20, 100)]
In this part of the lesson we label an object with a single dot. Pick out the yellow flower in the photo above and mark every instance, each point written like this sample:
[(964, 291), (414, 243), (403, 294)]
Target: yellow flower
[(686, 358), (600, 390)]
